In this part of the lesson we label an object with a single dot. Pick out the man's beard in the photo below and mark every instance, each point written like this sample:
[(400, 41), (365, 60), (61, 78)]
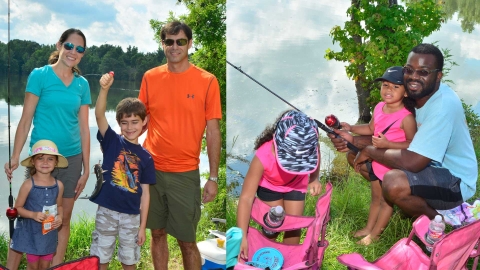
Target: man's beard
[(425, 91)]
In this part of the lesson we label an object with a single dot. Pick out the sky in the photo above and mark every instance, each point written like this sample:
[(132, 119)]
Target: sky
[(119, 22)]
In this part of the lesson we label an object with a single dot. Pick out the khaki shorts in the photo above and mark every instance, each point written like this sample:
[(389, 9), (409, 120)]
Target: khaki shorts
[(108, 225), (175, 204)]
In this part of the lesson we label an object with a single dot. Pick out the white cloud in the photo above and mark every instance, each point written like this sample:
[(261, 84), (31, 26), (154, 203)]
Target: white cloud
[(124, 23)]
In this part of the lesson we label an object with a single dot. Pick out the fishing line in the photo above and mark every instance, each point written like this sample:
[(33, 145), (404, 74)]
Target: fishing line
[(11, 211), (320, 125)]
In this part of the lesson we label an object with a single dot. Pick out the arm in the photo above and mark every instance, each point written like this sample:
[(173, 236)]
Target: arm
[(213, 150), (29, 106), (20, 202), (394, 158), (409, 126), (85, 140), (245, 202), (144, 205), (313, 182), (101, 106), (58, 219), (363, 129)]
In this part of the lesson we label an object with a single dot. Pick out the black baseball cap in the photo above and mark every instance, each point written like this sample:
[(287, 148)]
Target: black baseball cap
[(393, 75)]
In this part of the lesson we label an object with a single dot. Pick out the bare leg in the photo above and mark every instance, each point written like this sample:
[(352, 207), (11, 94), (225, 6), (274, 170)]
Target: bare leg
[(64, 231), (381, 223), (34, 265), (190, 255), (159, 249), (293, 208), (396, 190), (377, 198), (13, 259), (103, 266), (43, 265)]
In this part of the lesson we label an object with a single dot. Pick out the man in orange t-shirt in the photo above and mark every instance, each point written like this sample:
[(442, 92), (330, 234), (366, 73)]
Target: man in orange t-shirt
[(182, 100)]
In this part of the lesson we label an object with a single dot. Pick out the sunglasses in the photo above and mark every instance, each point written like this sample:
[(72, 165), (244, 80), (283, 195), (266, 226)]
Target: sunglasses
[(180, 42), (69, 46), (420, 72)]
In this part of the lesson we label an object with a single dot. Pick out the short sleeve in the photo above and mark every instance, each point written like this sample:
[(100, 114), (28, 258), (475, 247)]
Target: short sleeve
[(213, 106), (108, 140), (34, 81), (86, 98), (148, 172)]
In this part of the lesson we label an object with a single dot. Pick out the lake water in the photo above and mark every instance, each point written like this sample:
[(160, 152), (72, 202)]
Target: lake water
[(282, 43), (83, 207)]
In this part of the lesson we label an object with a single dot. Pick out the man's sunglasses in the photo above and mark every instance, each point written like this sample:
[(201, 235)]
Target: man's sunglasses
[(180, 42), (69, 46), (420, 72)]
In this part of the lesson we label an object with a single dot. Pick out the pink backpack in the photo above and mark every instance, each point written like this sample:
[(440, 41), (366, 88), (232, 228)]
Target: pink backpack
[(309, 254), (451, 252)]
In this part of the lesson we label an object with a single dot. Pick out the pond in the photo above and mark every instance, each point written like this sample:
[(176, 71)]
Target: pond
[(83, 207), (282, 45)]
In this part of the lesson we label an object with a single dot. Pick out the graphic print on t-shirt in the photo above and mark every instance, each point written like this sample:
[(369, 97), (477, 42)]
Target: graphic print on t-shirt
[(125, 171)]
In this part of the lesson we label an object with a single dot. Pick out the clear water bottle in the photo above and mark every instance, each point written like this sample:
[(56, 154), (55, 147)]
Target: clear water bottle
[(435, 231), (274, 219)]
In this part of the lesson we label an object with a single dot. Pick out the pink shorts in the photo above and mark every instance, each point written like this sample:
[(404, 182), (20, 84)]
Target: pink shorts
[(34, 258)]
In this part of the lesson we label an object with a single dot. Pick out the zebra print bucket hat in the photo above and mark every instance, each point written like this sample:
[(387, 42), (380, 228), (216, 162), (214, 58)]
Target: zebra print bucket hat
[(296, 143)]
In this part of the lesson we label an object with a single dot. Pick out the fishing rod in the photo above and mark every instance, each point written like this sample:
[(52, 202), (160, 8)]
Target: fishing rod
[(12, 212), (320, 125)]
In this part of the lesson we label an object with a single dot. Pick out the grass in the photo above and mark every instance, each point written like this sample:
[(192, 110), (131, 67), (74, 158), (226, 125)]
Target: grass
[(81, 237)]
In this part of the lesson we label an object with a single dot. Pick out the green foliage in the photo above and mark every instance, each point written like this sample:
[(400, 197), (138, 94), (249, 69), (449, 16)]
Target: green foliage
[(378, 36), (129, 65), (468, 12)]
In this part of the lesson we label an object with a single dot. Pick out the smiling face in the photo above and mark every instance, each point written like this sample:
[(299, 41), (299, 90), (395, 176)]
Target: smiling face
[(421, 88), (44, 163), (177, 54), (392, 93), (131, 127), (71, 58)]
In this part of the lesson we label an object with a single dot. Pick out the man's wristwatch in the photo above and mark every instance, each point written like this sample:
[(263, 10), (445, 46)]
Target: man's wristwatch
[(213, 179)]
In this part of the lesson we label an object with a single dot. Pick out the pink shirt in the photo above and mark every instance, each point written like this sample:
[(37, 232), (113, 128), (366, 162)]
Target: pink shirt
[(274, 178), (394, 134)]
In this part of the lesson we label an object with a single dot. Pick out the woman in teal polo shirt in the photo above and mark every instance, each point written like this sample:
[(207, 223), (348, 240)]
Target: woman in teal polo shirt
[(57, 102)]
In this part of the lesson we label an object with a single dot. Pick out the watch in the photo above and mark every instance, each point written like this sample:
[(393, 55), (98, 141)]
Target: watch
[(213, 179)]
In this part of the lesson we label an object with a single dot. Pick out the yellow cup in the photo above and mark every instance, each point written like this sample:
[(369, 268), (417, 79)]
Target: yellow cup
[(220, 242)]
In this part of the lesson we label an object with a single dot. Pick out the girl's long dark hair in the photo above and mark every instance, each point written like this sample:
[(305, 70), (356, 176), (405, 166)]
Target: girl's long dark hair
[(56, 54), (267, 133), (409, 104)]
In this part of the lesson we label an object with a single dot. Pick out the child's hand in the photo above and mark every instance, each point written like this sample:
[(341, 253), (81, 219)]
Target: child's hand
[(315, 187), (243, 249), (141, 237), (380, 142), (57, 222), (106, 81), (39, 216), (345, 126)]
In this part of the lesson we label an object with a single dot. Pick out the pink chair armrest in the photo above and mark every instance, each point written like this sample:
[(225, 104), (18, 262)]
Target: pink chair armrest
[(356, 261), (420, 227)]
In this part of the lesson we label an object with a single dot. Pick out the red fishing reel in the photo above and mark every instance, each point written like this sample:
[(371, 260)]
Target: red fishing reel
[(12, 213), (332, 121), (111, 73)]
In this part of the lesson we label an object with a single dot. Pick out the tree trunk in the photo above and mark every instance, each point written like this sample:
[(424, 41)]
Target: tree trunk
[(364, 115)]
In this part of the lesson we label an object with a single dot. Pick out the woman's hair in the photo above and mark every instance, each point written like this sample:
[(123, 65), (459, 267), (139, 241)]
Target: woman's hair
[(32, 170), (267, 133), (409, 104), (56, 54)]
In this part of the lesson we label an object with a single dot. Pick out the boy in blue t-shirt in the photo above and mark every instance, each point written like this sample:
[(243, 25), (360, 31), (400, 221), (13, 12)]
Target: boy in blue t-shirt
[(128, 170)]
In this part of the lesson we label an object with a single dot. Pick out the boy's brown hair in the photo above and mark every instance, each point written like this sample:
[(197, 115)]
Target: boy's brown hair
[(131, 106)]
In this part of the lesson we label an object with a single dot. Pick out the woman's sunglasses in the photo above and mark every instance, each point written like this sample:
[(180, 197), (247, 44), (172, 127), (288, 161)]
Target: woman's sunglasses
[(69, 46), (420, 72), (180, 42)]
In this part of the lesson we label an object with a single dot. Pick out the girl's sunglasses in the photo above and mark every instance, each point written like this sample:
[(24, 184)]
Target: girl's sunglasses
[(180, 42), (69, 46)]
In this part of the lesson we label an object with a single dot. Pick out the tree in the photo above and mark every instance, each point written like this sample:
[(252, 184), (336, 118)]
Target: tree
[(378, 35), (468, 12)]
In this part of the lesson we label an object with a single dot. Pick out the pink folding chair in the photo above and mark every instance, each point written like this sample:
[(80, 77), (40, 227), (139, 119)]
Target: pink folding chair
[(451, 252), (307, 255)]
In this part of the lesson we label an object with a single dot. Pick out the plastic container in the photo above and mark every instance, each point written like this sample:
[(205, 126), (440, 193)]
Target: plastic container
[(274, 219), (213, 257), (435, 231)]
